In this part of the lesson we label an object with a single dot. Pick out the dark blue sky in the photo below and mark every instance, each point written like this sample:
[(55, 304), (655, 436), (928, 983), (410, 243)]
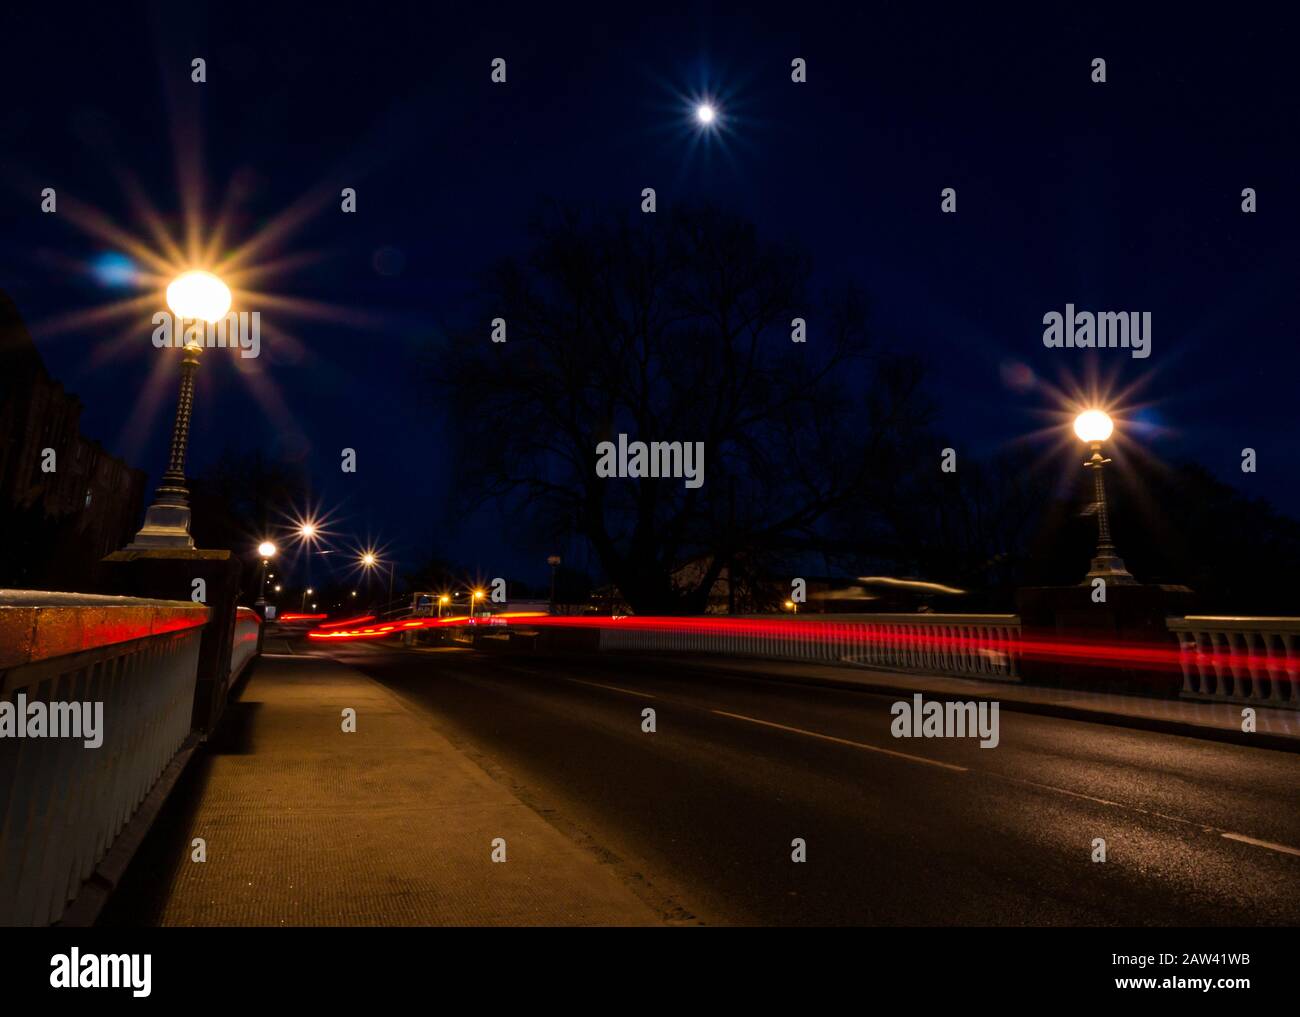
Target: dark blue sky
[(1122, 196)]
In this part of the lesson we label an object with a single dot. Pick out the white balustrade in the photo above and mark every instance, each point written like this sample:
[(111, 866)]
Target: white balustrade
[(63, 804), (965, 645), (1240, 659)]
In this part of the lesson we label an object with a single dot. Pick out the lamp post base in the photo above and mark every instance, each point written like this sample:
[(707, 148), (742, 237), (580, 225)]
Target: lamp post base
[(1133, 614), (164, 526), (1109, 567)]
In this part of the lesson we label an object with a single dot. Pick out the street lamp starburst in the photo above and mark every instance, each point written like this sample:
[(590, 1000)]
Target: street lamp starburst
[(199, 271)]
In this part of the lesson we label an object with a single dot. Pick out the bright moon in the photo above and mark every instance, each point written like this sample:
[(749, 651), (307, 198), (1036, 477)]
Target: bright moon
[(704, 113)]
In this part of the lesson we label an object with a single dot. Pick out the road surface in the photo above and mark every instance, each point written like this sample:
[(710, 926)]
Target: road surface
[(699, 816)]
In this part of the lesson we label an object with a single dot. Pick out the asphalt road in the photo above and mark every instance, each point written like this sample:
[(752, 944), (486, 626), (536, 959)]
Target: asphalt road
[(699, 816)]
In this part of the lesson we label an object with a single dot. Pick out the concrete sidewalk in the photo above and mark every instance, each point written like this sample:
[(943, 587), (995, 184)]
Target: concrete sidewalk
[(1275, 729), (392, 825)]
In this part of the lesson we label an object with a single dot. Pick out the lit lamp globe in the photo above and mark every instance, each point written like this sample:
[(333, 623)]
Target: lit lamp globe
[(198, 296), (1093, 426), (266, 549)]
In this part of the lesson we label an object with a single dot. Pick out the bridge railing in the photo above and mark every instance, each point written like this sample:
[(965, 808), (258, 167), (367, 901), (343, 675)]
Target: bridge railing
[(63, 802), (1253, 660), (965, 645), (248, 627)]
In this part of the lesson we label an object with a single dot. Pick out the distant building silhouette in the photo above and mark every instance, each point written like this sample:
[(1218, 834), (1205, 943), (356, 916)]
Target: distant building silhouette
[(56, 526)]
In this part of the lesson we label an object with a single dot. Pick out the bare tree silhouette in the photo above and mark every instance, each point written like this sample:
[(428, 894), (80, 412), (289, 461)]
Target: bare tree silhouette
[(676, 327)]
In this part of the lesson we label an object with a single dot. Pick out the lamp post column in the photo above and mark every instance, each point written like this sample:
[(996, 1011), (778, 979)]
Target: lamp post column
[(167, 522), (1106, 564)]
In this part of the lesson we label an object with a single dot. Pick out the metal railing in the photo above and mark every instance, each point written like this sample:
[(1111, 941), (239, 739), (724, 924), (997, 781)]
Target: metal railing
[(1240, 659), (62, 803), (965, 645)]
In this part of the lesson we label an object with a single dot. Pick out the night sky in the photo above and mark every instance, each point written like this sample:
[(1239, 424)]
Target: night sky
[(1117, 196)]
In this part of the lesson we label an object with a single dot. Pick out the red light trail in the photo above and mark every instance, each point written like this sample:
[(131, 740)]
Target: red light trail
[(361, 619), (848, 635)]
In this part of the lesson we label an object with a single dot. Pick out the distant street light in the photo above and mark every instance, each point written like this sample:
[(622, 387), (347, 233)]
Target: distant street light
[(443, 599), (792, 607), (305, 594), (474, 596), (193, 296), (1094, 427), (370, 560)]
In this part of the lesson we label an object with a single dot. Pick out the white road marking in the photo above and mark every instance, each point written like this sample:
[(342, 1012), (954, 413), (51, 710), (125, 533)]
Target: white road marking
[(843, 741), (1072, 794), (1148, 812), (1262, 843), (612, 688)]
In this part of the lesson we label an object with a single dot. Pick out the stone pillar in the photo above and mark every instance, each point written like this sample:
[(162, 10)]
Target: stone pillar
[(169, 574), (1132, 614)]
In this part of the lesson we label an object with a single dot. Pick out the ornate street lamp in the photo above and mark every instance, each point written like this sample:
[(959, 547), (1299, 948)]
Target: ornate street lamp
[(194, 296), (1094, 427), (267, 550)]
